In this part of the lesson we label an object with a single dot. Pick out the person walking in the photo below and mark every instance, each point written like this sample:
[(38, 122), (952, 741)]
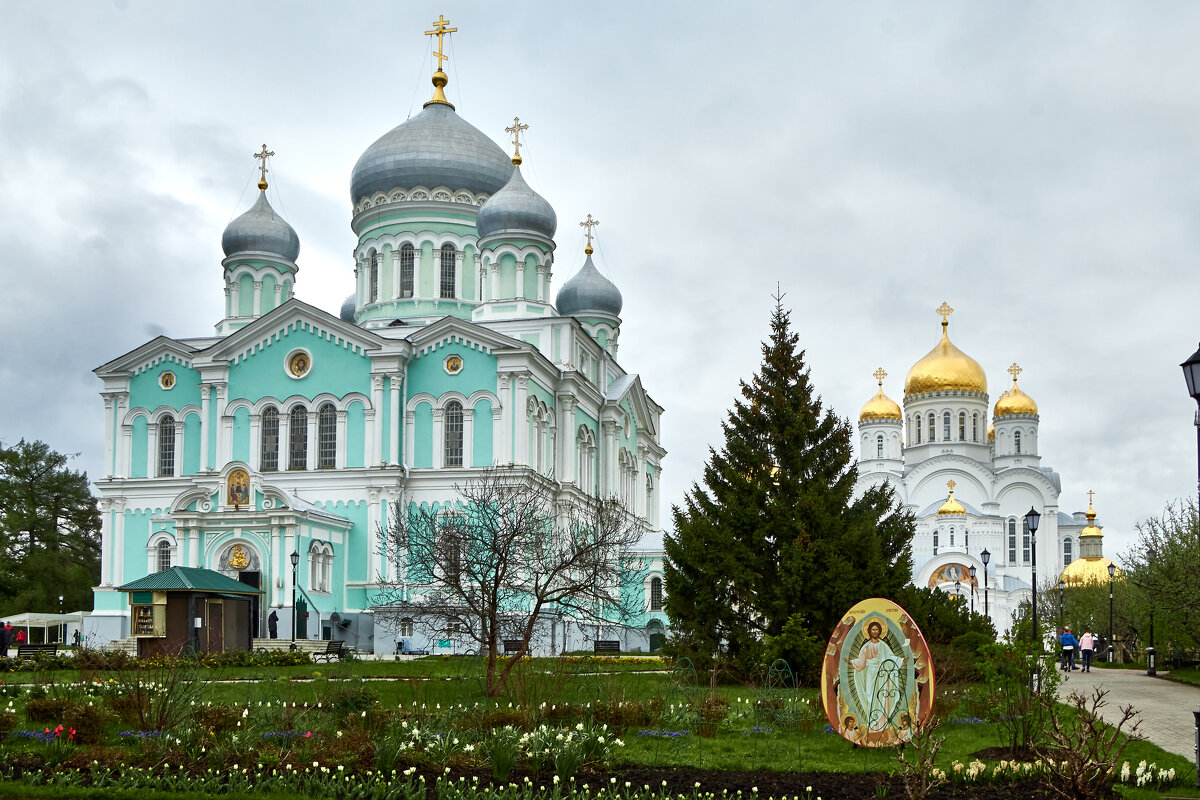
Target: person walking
[(1087, 643), (273, 624), (1069, 645)]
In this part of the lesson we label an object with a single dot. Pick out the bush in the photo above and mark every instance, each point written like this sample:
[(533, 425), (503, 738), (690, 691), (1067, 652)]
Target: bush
[(218, 718), (88, 722), (47, 709)]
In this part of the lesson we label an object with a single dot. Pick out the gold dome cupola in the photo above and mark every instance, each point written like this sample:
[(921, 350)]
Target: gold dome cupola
[(945, 367), (951, 508), (1092, 566), (1014, 401), (880, 407)]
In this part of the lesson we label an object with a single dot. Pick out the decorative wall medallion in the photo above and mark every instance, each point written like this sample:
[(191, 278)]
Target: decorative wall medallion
[(299, 362), (167, 380), (237, 488), (877, 675), (454, 365), (238, 558)]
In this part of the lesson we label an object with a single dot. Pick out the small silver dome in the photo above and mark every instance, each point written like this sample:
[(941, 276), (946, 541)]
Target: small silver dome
[(347, 312), (261, 230), (435, 148), (516, 208), (588, 291)]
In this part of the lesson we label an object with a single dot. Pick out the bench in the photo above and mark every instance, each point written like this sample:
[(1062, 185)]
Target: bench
[(512, 645), (606, 646), (31, 650), (334, 648)]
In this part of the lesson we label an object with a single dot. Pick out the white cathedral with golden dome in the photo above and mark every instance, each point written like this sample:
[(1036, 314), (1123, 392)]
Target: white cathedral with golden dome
[(969, 479)]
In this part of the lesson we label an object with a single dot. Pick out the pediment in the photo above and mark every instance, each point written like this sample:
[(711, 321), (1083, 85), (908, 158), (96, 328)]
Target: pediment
[(631, 386), (452, 329), (153, 352), (294, 315)]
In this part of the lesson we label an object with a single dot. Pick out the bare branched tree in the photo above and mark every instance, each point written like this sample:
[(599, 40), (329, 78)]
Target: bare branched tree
[(512, 553)]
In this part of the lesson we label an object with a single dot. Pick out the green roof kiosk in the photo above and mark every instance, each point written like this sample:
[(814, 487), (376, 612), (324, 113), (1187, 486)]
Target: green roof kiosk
[(190, 608)]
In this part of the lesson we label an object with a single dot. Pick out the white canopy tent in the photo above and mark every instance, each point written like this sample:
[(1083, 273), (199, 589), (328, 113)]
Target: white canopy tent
[(38, 628)]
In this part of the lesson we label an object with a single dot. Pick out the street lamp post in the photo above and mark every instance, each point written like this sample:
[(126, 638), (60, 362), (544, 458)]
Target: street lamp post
[(985, 557), (1061, 586), (972, 571), (62, 624), (1112, 570), (1031, 520), (295, 557), (1191, 373), (957, 589)]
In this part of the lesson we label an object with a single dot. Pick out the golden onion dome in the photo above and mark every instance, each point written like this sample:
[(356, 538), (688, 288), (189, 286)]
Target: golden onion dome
[(951, 506), (1091, 529), (880, 406), (945, 367), (1084, 571), (991, 433), (1014, 401)]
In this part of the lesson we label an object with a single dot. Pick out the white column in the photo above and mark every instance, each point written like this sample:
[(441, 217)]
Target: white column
[(468, 437), (497, 430), (124, 443), (484, 288), (152, 447), (410, 424), (255, 441), (458, 274), (178, 449), (495, 280), (394, 421), (395, 273), (520, 402), (374, 520), (110, 423), (608, 458), (118, 540), (376, 449), (272, 561), (205, 425), (520, 278), (228, 300), (639, 484), (106, 541), (257, 298), (278, 293), (439, 439), (342, 444), (224, 428), (541, 283), (565, 442), (235, 303), (313, 444), (285, 440), (504, 451)]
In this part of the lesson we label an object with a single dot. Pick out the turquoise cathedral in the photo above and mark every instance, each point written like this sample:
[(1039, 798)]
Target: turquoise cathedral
[(294, 431)]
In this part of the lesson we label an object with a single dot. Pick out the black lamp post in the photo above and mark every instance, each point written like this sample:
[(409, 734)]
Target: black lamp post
[(295, 561), (1031, 520), (957, 589), (972, 571), (1112, 570), (1191, 373), (985, 557), (1061, 586), (62, 624)]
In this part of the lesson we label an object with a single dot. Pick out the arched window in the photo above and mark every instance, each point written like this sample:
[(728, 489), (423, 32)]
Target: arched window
[(1017, 442), (447, 271), (268, 460), (586, 446), (935, 541), (320, 566), (1012, 541), (932, 428), (656, 594), (917, 423), (407, 269), (450, 548), (879, 445), (945, 426), (1068, 551), (975, 427), (967, 539), (373, 279), (164, 556), (453, 419), (326, 436), (298, 438), (166, 447), (952, 537), (962, 426), (1025, 541)]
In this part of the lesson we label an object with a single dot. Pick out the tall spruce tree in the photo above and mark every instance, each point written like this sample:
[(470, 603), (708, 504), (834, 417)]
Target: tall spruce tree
[(774, 547)]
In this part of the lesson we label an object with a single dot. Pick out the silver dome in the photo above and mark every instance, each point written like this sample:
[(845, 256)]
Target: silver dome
[(347, 312), (261, 230), (588, 291), (435, 148), (516, 208)]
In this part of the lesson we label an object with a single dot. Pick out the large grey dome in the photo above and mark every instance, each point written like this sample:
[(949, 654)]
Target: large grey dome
[(588, 291), (516, 208), (347, 312), (261, 230), (435, 148)]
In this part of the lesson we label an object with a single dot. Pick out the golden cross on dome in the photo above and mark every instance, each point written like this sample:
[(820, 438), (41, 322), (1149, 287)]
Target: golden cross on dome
[(879, 375), (262, 157), (440, 30), (515, 129), (945, 310), (1090, 493), (589, 223), (1014, 370), (950, 485)]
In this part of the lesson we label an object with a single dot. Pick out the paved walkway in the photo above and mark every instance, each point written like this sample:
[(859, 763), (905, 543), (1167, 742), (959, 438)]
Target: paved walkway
[(1166, 707)]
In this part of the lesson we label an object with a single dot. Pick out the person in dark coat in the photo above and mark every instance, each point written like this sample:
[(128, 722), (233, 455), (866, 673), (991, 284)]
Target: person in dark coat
[(273, 624), (5, 638)]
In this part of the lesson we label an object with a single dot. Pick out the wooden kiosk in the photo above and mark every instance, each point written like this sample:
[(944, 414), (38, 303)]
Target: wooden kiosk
[(190, 607)]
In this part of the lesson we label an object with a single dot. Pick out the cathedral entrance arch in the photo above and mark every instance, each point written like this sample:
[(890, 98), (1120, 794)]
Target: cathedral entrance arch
[(240, 560)]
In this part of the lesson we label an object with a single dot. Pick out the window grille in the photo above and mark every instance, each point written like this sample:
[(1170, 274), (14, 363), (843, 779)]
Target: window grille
[(945, 426), (373, 277), (326, 437), (656, 585), (879, 445), (269, 457), (1017, 442), (1068, 551), (447, 265), (454, 434), (1012, 541), (166, 447), (298, 438), (962, 426), (1025, 542), (932, 427), (975, 427), (407, 268), (164, 556)]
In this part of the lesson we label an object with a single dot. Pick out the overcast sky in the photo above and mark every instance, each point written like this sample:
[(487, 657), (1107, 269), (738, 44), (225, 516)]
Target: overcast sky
[(1035, 165)]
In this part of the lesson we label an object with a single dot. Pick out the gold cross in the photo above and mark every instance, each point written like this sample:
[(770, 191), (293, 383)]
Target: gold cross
[(262, 157), (879, 375), (950, 485), (1090, 493), (515, 129), (589, 223), (1014, 370), (440, 30), (945, 310)]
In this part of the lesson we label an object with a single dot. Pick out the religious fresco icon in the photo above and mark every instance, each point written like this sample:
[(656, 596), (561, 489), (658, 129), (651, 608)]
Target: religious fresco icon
[(237, 488), (949, 573), (877, 675)]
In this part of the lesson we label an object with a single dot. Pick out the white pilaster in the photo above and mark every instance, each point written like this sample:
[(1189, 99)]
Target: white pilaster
[(468, 437), (342, 444), (110, 422), (257, 299), (205, 425), (521, 451), (224, 427), (376, 428), (394, 421), (439, 439), (520, 278)]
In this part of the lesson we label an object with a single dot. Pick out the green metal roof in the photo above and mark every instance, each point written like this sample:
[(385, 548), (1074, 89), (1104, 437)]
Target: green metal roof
[(185, 579)]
